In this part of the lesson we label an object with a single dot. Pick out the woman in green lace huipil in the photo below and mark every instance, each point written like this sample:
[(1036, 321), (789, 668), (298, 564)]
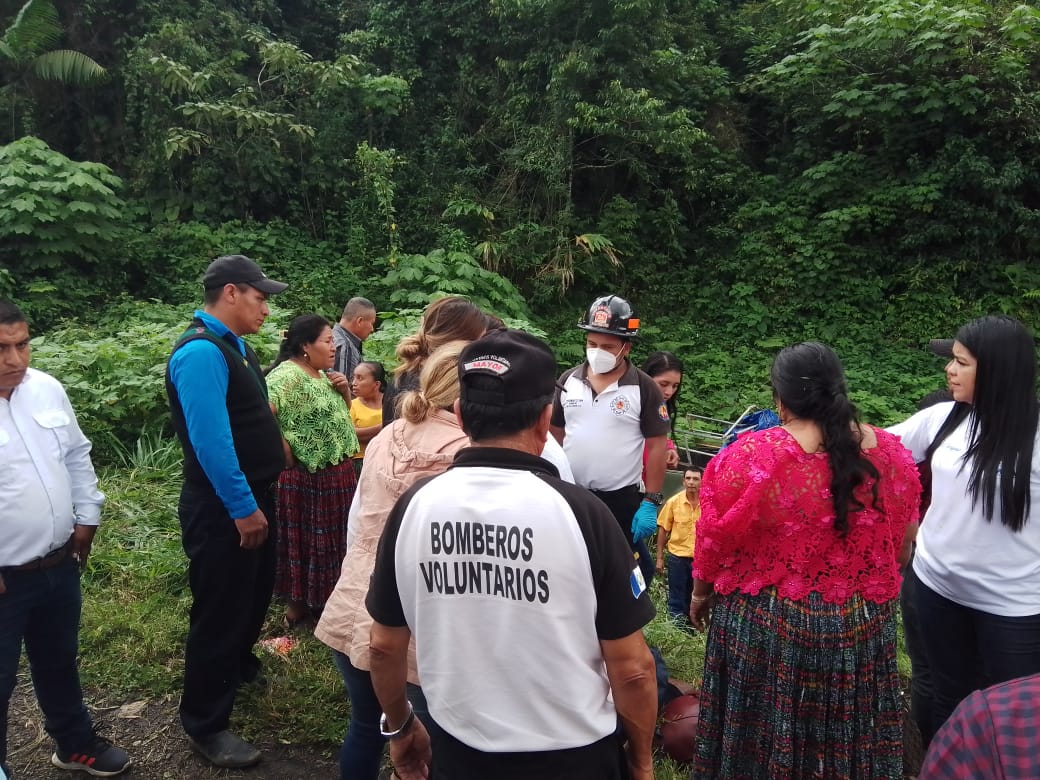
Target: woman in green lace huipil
[(317, 486)]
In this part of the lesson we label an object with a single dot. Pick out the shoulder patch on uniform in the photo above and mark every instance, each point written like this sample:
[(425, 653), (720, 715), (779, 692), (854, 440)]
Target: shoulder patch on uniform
[(662, 411), (636, 581)]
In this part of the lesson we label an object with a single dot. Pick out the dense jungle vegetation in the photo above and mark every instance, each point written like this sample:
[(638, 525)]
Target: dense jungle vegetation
[(747, 173)]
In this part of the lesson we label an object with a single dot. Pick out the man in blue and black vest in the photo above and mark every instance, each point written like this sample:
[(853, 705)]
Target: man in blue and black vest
[(232, 457)]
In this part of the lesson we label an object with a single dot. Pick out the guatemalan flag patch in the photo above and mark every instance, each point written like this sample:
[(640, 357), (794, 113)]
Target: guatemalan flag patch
[(637, 582)]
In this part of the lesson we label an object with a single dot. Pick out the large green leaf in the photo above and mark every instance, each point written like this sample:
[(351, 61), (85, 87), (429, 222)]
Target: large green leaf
[(68, 67), (35, 29)]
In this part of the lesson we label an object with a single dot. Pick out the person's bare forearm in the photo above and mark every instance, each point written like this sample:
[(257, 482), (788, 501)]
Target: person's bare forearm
[(388, 649), (633, 684), (656, 457)]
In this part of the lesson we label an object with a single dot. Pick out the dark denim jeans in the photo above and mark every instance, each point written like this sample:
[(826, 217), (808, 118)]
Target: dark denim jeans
[(680, 587), (362, 750), (967, 649), (42, 608)]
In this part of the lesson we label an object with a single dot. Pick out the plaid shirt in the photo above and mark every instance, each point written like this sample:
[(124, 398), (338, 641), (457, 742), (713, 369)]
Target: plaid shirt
[(991, 734)]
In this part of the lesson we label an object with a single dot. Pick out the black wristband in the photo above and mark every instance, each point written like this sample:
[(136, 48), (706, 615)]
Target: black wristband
[(654, 498)]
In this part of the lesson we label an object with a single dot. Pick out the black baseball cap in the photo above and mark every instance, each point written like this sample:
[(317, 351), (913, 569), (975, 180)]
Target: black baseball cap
[(524, 366), (942, 347), (239, 269)]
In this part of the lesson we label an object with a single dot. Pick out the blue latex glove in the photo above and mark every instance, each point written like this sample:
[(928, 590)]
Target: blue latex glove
[(644, 522)]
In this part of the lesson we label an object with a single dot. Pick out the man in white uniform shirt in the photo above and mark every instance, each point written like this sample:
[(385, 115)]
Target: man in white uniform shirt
[(605, 413), (522, 595), (50, 507)]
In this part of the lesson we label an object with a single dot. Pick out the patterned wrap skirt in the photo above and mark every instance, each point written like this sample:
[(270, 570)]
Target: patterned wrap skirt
[(312, 531), (800, 689)]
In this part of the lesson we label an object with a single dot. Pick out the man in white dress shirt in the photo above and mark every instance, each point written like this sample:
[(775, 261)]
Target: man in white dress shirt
[(50, 507)]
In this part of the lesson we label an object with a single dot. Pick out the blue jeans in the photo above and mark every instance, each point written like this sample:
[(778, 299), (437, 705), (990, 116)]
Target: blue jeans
[(362, 750), (968, 649), (680, 587), (42, 608)]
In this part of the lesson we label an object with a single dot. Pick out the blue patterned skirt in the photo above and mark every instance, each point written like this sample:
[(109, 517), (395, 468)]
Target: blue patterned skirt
[(800, 689)]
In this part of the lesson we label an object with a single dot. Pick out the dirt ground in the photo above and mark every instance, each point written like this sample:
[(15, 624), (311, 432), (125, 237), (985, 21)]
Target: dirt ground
[(150, 732)]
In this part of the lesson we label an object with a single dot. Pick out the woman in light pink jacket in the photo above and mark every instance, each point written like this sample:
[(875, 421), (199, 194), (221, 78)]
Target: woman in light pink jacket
[(421, 442)]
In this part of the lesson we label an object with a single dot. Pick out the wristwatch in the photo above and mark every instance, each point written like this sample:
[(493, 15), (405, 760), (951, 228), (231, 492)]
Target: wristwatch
[(654, 498)]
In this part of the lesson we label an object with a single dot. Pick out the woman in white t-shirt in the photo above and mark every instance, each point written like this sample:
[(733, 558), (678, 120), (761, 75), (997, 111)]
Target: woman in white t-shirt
[(977, 567)]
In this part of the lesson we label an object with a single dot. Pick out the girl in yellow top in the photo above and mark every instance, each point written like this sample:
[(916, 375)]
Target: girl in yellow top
[(366, 410)]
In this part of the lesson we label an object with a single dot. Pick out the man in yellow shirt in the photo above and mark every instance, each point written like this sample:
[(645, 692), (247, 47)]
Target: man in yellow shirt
[(675, 526)]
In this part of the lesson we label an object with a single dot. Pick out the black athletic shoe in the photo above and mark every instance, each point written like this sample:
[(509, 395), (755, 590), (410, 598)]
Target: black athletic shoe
[(99, 758)]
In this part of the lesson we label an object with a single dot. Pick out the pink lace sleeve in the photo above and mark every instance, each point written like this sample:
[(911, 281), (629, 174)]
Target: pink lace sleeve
[(900, 487), (727, 493)]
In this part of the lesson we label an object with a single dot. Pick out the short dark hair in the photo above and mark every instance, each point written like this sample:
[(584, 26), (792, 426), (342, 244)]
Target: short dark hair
[(482, 422), (10, 314), (357, 307), (211, 295), (696, 469)]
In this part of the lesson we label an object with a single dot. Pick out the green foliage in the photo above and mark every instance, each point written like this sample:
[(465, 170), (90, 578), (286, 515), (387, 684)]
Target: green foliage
[(26, 54), (282, 122), (168, 260), (54, 209), (418, 279), (898, 198), (59, 219), (531, 118)]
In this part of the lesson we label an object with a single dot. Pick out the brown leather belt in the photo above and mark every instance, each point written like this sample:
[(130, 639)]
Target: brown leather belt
[(48, 561)]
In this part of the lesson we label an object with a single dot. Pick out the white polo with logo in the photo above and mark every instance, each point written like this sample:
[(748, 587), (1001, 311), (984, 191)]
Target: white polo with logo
[(502, 572), (604, 433)]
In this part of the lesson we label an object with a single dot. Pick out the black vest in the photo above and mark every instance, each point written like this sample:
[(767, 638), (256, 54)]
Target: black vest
[(254, 429)]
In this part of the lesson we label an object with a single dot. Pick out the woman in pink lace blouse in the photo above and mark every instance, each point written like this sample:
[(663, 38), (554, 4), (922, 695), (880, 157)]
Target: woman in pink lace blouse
[(797, 562)]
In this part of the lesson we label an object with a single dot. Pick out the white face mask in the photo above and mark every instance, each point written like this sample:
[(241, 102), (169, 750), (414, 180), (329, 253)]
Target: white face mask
[(600, 360)]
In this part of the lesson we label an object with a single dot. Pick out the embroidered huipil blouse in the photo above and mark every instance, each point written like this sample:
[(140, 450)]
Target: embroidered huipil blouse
[(314, 418), (767, 520)]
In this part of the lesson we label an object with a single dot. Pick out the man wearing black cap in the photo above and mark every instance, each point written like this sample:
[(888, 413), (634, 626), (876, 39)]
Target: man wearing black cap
[(232, 456), (502, 572)]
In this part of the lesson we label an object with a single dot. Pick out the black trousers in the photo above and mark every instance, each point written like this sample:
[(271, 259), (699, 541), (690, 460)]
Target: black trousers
[(602, 760), (231, 590), (623, 504)]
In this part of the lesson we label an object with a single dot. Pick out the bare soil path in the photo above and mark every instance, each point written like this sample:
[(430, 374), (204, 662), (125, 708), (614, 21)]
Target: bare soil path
[(150, 732)]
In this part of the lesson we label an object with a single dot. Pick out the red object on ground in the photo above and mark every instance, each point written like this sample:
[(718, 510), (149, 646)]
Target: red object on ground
[(679, 720)]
